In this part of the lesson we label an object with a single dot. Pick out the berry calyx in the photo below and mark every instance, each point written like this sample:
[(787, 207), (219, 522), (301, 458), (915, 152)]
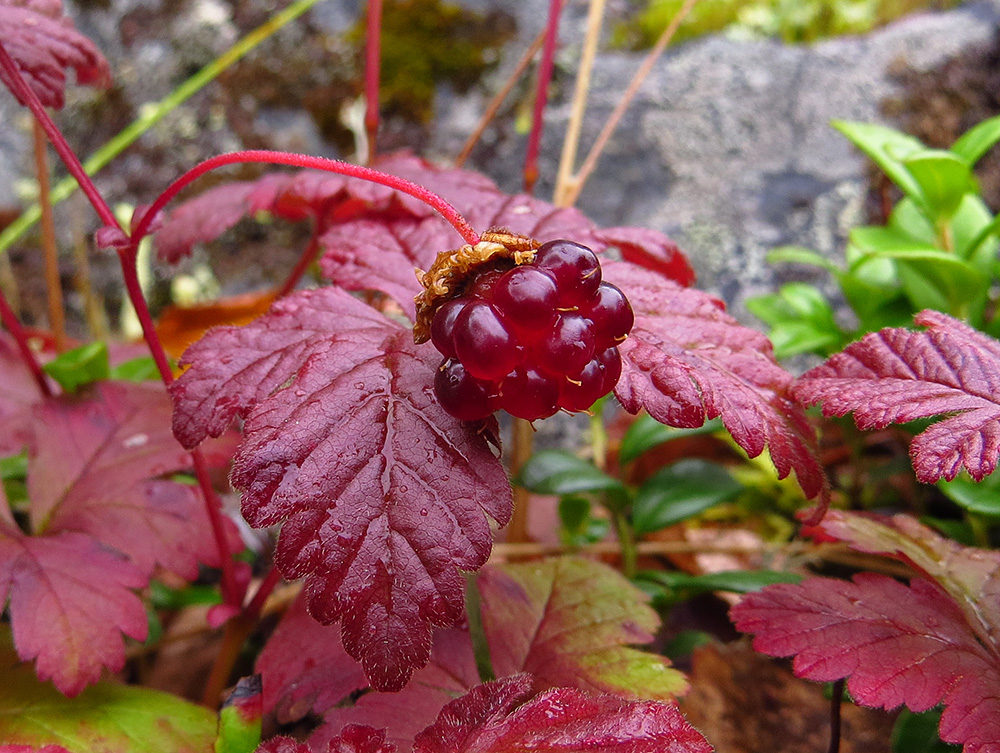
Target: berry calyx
[(531, 332)]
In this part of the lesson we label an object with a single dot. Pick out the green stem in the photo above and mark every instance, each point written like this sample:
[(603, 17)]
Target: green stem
[(626, 540), (480, 645), (154, 114)]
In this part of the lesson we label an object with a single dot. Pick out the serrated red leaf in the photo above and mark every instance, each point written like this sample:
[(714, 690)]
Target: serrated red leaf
[(897, 644), (43, 43), (897, 375), (94, 466), (18, 392), (687, 361), (70, 602), (488, 720), (352, 739), (569, 621), (381, 492)]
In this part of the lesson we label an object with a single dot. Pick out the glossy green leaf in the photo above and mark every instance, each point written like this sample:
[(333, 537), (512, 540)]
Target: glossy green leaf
[(679, 492), (142, 369), (944, 178), (561, 472), (979, 139), (887, 148), (80, 366), (738, 581), (801, 320), (646, 432), (982, 497), (106, 717), (578, 525)]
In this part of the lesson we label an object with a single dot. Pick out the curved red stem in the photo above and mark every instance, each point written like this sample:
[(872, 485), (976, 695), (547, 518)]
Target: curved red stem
[(13, 325), (545, 68), (429, 198)]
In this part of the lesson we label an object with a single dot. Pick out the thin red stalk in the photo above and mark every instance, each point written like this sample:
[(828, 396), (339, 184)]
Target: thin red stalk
[(272, 579), (13, 325), (494, 106), (301, 266), (373, 50), (542, 94), (432, 200), (24, 93), (231, 592)]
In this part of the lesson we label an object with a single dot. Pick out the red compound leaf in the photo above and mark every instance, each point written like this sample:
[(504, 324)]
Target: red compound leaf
[(44, 43), (896, 644), (94, 466), (488, 719), (381, 492), (686, 361), (897, 375), (567, 621), (70, 602)]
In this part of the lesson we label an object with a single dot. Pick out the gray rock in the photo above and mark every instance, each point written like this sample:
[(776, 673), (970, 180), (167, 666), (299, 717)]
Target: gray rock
[(728, 149)]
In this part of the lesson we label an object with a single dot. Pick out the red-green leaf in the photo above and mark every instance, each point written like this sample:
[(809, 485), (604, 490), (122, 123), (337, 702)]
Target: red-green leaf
[(687, 361), (567, 621), (381, 492), (43, 43), (897, 375), (108, 717), (897, 644), (489, 720)]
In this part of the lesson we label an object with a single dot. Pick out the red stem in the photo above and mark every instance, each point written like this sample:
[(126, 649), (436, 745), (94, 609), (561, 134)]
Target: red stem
[(272, 579), (231, 592), (429, 198), (545, 68), (25, 94), (13, 325), (373, 50), (301, 266)]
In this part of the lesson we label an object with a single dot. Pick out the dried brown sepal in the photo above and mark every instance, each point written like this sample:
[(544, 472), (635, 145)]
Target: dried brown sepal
[(453, 272)]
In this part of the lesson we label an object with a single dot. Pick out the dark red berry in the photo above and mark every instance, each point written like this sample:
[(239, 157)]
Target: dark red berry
[(611, 313), (568, 345), (462, 395), (529, 394), (483, 343), (575, 269), (611, 359), (482, 286), (527, 298), (443, 326), (583, 391)]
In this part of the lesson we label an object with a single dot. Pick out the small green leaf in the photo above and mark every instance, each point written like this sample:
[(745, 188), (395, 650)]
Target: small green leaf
[(801, 320), (685, 643), (579, 526), (14, 467), (240, 717), (560, 472), (80, 366), (887, 148), (979, 139), (944, 178), (646, 433), (679, 492), (981, 497), (142, 369)]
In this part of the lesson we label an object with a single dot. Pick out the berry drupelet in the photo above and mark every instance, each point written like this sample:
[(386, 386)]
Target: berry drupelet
[(532, 339)]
